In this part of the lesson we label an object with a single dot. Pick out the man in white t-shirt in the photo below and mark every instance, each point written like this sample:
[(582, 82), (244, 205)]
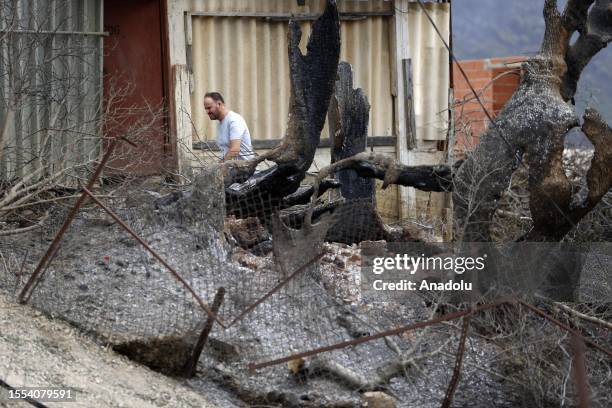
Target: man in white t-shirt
[(233, 137)]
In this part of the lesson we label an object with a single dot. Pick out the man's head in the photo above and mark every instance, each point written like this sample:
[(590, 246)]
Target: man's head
[(214, 105)]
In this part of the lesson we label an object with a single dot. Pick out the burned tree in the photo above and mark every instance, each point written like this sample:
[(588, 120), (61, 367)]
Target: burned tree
[(531, 129), (312, 84)]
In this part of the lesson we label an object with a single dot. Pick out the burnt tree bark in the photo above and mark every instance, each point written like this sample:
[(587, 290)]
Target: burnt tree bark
[(312, 79), (529, 131), (532, 127), (348, 118)]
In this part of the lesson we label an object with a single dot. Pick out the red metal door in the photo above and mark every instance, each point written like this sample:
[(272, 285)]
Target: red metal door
[(134, 83)]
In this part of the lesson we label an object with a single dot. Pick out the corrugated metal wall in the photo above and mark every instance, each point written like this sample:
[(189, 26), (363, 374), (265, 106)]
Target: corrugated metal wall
[(285, 6), (245, 59), (380, 43), (431, 72), (50, 84)]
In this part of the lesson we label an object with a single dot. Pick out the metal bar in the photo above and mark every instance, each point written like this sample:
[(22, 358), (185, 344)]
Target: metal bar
[(47, 32), (392, 332), (581, 378), (190, 367), (152, 252), (373, 141), (24, 296), (289, 16), (452, 386), (409, 114), (275, 289), (565, 327)]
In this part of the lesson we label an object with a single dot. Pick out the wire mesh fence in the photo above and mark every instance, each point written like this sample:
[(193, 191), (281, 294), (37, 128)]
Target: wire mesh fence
[(291, 287), (272, 285)]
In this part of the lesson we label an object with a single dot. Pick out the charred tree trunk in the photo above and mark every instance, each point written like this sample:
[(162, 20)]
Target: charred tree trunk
[(358, 218), (530, 131), (312, 83), (532, 127), (348, 118)]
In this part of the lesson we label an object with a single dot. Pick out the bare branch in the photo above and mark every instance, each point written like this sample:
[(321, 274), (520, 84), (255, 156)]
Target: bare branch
[(595, 34), (426, 178), (583, 316), (25, 229)]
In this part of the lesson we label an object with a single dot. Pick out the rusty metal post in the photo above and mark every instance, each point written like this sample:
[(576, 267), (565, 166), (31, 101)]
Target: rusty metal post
[(190, 366), (452, 386), (581, 379), (27, 290)]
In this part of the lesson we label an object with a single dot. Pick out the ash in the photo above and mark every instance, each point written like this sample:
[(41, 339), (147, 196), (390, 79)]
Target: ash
[(104, 282)]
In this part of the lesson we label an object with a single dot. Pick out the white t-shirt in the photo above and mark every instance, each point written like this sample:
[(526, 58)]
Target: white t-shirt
[(234, 127)]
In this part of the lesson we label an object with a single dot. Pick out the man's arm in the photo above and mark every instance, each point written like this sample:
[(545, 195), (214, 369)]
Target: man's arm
[(234, 149), (236, 130)]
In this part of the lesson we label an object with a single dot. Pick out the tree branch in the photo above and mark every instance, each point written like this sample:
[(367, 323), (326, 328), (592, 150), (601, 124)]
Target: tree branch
[(575, 15), (554, 222), (595, 33), (425, 178)]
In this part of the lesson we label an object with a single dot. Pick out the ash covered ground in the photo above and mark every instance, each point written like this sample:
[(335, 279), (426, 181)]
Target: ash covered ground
[(103, 282)]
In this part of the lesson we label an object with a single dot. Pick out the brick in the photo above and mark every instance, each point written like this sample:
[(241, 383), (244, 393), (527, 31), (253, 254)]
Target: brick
[(501, 101), (511, 72), (502, 95), (502, 60), (480, 83), (472, 79), (471, 72), (501, 88), (467, 93), (471, 64), (506, 81)]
